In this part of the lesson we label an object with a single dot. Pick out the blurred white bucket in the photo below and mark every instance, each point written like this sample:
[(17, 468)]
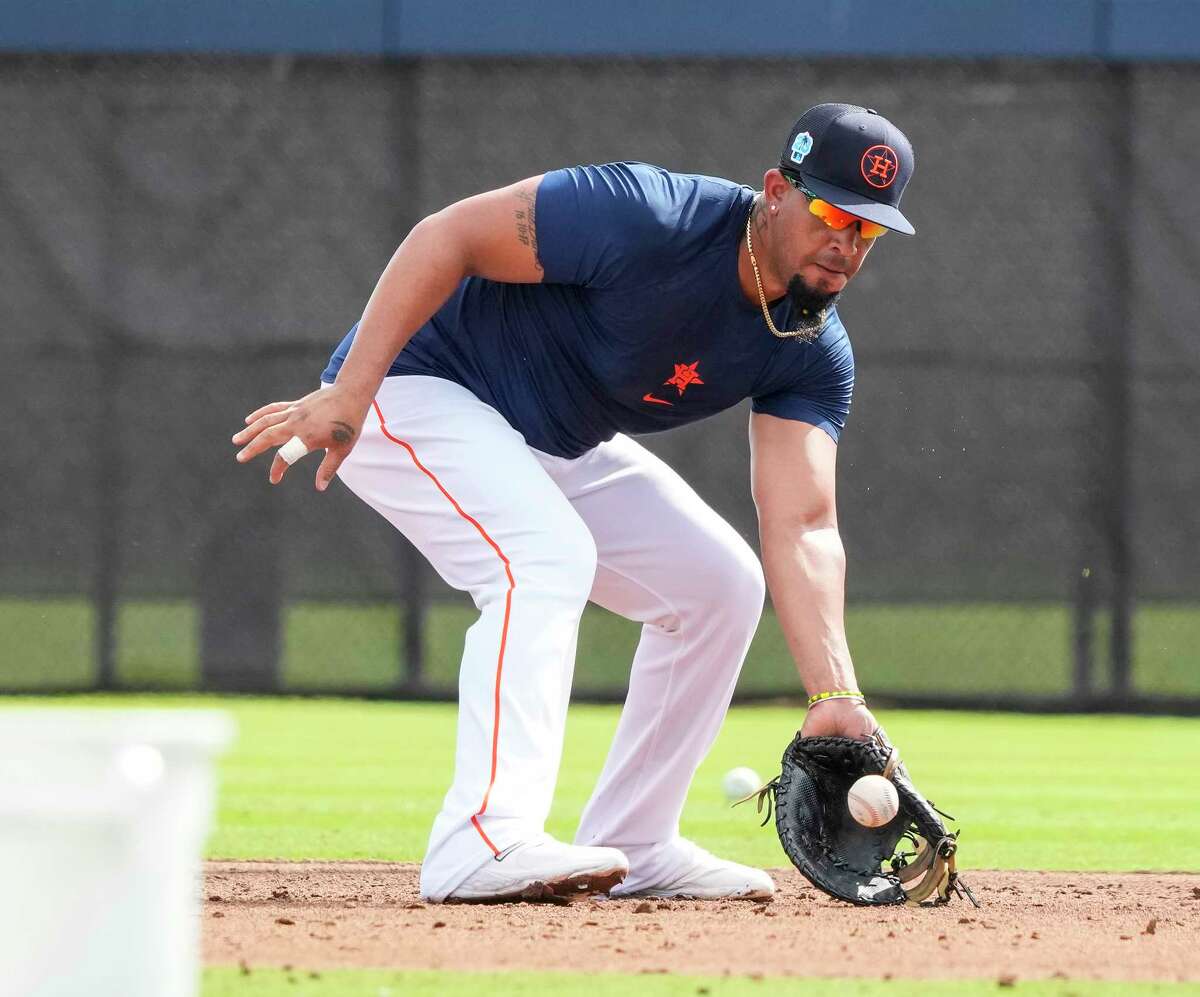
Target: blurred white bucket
[(102, 817)]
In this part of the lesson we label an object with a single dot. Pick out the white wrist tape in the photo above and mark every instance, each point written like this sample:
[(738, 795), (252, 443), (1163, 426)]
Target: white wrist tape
[(293, 450)]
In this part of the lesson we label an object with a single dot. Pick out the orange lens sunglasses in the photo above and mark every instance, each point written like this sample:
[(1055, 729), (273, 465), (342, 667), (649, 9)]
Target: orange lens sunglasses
[(834, 216)]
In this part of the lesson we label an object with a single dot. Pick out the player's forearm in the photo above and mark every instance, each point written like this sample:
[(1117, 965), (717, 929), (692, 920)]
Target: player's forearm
[(421, 275), (806, 573)]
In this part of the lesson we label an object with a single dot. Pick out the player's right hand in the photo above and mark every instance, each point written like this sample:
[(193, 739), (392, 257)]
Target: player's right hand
[(328, 418), (843, 717)]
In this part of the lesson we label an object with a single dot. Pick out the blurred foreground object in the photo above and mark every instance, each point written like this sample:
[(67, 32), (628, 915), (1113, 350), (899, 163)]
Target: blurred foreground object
[(102, 817)]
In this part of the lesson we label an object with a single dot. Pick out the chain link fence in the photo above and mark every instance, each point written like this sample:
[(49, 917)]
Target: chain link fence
[(187, 238)]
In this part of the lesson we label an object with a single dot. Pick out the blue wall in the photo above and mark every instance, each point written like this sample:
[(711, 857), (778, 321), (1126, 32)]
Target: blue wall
[(1123, 29)]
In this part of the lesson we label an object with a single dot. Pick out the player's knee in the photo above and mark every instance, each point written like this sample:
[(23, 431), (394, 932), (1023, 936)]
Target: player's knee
[(742, 586), (563, 567), (579, 556)]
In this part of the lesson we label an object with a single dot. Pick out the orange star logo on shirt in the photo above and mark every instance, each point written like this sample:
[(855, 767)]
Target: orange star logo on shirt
[(685, 374)]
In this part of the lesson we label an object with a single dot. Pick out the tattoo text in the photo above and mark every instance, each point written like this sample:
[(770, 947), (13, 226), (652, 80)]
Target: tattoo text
[(527, 223)]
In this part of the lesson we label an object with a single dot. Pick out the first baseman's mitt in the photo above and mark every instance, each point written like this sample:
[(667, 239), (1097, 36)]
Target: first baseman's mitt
[(842, 857)]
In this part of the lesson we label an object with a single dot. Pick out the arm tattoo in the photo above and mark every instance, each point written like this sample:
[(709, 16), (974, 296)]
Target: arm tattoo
[(527, 223), (343, 432)]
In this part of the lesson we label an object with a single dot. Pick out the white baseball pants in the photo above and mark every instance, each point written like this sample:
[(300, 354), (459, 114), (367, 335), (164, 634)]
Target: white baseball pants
[(532, 538)]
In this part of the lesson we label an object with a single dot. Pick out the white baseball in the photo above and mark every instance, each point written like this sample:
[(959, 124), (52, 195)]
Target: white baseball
[(740, 782), (873, 801)]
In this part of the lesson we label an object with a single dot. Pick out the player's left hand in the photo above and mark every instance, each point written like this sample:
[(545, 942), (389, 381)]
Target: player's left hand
[(844, 717), (845, 858)]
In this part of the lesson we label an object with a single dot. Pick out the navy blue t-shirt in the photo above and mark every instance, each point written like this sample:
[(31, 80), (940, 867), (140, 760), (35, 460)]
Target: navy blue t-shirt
[(639, 325)]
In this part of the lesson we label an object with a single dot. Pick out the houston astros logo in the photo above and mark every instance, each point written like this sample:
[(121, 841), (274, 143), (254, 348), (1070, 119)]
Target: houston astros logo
[(879, 166), (685, 374)]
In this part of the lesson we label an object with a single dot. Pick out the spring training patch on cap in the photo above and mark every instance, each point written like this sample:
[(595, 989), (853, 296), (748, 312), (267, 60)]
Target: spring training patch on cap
[(880, 166), (801, 147)]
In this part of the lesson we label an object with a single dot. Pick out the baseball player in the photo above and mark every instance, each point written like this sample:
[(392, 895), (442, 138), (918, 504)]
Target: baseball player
[(485, 404)]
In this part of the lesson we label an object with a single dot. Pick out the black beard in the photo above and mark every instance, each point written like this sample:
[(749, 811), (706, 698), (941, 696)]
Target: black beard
[(808, 306)]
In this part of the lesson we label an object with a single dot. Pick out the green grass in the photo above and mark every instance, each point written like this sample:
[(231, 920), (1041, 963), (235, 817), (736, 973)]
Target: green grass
[(363, 780), (157, 644), (391, 983), (954, 648), (343, 779), (47, 642), (1167, 649)]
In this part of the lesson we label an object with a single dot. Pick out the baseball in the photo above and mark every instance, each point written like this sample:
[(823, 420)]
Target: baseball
[(873, 801), (740, 782)]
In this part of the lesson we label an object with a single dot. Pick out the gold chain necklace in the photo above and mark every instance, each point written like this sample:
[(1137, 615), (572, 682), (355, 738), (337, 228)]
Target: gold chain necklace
[(804, 335)]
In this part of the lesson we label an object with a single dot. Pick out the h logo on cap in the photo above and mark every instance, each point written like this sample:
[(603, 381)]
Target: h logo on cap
[(879, 166)]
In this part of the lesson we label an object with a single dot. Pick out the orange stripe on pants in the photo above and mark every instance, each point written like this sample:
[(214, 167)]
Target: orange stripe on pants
[(503, 631)]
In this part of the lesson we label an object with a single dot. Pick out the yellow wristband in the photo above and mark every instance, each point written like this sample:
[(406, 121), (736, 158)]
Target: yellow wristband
[(820, 697)]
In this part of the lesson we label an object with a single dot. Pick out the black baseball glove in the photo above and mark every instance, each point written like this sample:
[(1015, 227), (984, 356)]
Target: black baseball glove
[(861, 865)]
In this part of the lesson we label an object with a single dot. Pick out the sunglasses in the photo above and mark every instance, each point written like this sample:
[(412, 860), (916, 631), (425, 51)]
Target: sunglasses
[(834, 216)]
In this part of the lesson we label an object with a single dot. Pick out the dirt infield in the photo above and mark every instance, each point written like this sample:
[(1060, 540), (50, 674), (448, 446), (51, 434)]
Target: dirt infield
[(1032, 925)]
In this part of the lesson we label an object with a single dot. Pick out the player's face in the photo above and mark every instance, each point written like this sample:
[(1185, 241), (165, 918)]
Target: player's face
[(824, 259)]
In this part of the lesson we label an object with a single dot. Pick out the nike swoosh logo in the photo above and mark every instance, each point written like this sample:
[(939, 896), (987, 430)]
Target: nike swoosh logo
[(647, 397), (502, 855)]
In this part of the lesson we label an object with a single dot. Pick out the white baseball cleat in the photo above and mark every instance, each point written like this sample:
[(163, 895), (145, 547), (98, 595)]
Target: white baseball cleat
[(687, 871), (543, 869)]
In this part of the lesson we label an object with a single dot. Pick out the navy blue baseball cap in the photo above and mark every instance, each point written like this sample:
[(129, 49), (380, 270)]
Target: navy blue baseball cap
[(852, 157)]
